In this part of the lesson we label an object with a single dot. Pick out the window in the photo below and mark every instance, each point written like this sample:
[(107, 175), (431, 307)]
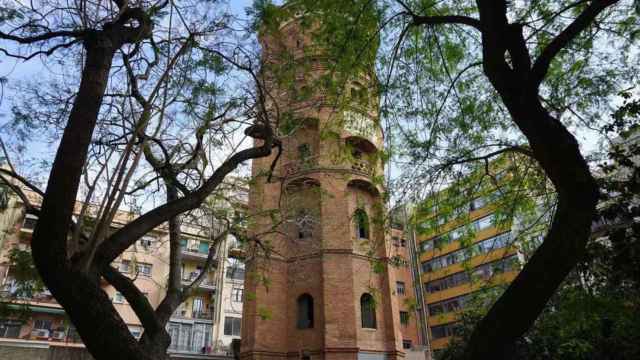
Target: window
[(406, 344), (135, 331), (232, 326), (304, 222), (426, 246), (447, 282), (477, 203), (118, 298), (305, 311), (362, 224), (483, 271), (203, 247), (442, 331), (125, 266), (304, 153), (10, 328), (359, 94), (42, 324), (4, 197), (30, 221), (396, 241), (198, 305), (481, 247), (147, 241), (400, 289), (404, 318), (484, 223), (235, 273), (72, 335), (403, 243), (368, 311), (144, 269), (236, 294), (448, 305)]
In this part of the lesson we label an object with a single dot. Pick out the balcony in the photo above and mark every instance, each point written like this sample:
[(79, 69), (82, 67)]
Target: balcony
[(196, 315), (206, 284), (360, 125), (362, 166), (9, 291), (194, 253)]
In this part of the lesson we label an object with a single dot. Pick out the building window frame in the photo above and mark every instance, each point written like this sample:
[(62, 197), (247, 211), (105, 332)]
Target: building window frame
[(368, 311), (305, 311), (232, 326)]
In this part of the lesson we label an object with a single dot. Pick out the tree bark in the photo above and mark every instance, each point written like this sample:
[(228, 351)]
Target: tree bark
[(158, 340), (91, 311)]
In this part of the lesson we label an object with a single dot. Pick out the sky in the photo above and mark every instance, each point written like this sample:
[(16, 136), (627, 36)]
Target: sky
[(16, 71)]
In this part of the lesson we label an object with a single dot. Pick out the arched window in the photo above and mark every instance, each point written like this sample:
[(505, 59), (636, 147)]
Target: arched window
[(305, 311), (304, 223), (362, 224), (368, 311)]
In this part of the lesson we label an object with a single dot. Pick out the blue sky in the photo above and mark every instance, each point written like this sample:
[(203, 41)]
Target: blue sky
[(17, 71)]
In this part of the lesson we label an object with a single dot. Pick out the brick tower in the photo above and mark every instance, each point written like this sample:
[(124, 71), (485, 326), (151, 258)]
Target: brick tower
[(326, 290)]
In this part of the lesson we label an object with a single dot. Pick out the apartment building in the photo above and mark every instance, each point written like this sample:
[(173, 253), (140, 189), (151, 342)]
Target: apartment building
[(197, 328), (407, 288), (467, 245)]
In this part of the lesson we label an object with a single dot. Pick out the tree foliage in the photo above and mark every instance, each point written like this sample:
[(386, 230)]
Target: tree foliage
[(145, 105), (464, 81)]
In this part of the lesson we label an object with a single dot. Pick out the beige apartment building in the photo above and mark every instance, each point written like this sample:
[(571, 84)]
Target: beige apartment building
[(203, 326)]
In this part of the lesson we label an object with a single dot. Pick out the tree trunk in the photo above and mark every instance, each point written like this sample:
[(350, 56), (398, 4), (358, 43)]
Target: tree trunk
[(158, 341), (90, 310), (558, 154)]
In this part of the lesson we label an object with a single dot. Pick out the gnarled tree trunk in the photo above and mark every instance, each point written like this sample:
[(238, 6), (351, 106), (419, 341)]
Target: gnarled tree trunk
[(100, 327)]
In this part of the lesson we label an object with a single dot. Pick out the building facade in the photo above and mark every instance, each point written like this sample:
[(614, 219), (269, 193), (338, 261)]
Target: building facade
[(469, 243), (197, 328), (403, 255)]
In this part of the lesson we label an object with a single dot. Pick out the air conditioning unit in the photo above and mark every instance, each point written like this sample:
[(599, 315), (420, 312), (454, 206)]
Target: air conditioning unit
[(58, 335), (40, 333)]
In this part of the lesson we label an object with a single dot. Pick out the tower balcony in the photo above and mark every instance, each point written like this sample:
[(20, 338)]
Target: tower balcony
[(362, 166), (357, 124)]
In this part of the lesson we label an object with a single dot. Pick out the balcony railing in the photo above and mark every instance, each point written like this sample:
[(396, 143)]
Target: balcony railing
[(293, 167), (194, 253), (202, 315), (362, 166), (9, 291), (206, 284), (363, 126), (199, 315)]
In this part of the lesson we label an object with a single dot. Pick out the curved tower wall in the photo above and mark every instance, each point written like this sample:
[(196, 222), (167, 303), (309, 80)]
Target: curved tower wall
[(322, 183)]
